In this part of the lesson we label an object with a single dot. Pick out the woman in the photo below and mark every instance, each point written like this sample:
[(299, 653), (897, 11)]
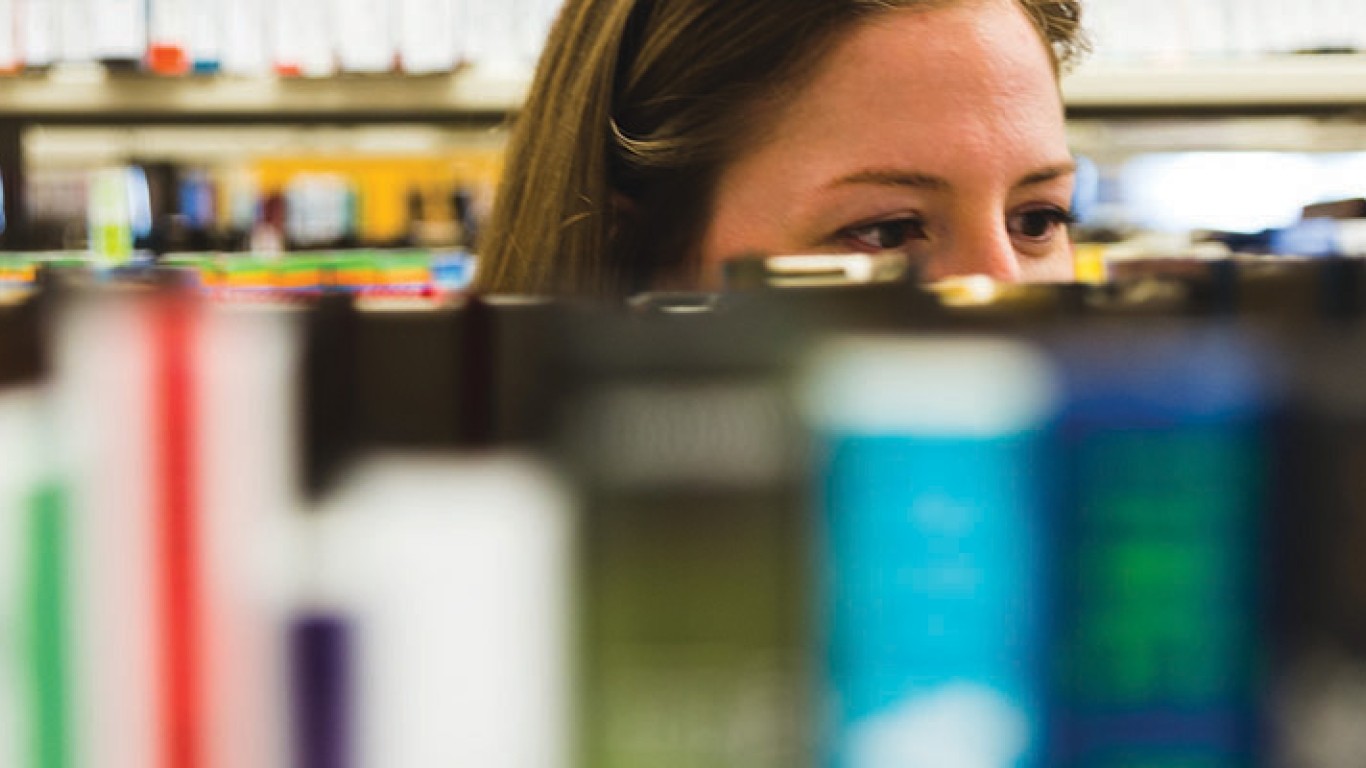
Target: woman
[(662, 137)]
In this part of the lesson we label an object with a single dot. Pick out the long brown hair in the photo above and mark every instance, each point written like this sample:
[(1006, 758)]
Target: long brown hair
[(635, 108)]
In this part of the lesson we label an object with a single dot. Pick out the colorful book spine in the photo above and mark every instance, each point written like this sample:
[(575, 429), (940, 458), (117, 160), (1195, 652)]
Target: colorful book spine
[(111, 216), (682, 440), (178, 529), (322, 691), (168, 36), (50, 735), (33, 723), (1159, 633), (205, 35), (934, 488)]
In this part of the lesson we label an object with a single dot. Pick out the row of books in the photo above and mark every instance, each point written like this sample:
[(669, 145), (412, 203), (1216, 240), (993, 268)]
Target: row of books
[(311, 38), (797, 523), (1182, 30), (264, 205), (321, 38), (433, 275)]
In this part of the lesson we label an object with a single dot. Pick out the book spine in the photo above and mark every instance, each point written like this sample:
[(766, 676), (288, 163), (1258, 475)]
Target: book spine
[(935, 520), (1159, 633)]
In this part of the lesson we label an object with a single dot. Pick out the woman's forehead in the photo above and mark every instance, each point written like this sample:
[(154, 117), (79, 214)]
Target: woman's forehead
[(967, 77)]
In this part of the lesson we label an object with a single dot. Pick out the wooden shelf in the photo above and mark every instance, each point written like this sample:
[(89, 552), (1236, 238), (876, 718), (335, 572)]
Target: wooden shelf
[(92, 97), (1283, 84)]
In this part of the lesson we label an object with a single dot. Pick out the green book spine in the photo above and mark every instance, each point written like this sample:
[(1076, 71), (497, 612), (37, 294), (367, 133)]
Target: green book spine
[(48, 596)]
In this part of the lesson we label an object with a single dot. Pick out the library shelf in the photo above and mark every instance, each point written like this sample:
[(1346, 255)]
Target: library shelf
[(1285, 84), (99, 97)]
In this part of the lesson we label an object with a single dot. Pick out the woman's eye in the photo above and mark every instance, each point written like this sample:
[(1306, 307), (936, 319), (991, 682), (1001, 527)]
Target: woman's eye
[(885, 235), (1040, 223)]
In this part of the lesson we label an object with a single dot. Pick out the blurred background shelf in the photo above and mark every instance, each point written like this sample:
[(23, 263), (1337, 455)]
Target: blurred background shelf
[(1285, 84), (1189, 117), (94, 97)]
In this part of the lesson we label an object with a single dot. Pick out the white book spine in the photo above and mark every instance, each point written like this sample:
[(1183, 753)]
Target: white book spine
[(461, 18), (205, 34), (1242, 28), (105, 374), (301, 38), (245, 46), (9, 36), (77, 43), (1301, 24), (246, 409), (1358, 26), (364, 35), (492, 34), (1320, 26), (474, 43), (458, 573), (1207, 29), (119, 28), (317, 56), (1283, 34), (169, 22), (1334, 19), (1355, 25), (426, 35), (1257, 15), (286, 22), (37, 32)]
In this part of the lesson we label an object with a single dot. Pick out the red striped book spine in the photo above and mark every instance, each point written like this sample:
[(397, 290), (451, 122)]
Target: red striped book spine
[(177, 502)]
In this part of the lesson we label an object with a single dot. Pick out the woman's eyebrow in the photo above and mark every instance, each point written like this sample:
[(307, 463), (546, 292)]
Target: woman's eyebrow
[(886, 177), (1045, 175), (891, 177)]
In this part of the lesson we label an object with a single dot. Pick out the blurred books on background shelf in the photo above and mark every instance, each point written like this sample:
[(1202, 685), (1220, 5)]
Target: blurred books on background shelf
[(1185, 30), (302, 38), (320, 38), (266, 204)]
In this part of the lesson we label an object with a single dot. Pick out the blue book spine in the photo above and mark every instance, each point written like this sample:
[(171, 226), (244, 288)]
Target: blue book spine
[(935, 487), (1159, 636)]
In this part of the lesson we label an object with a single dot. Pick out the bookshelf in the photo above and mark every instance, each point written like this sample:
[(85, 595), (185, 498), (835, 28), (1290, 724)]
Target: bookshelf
[(92, 97), (1281, 84), (1289, 84), (1105, 97), (473, 97)]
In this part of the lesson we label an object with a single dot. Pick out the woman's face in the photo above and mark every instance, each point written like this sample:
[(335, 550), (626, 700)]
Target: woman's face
[(936, 133)]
